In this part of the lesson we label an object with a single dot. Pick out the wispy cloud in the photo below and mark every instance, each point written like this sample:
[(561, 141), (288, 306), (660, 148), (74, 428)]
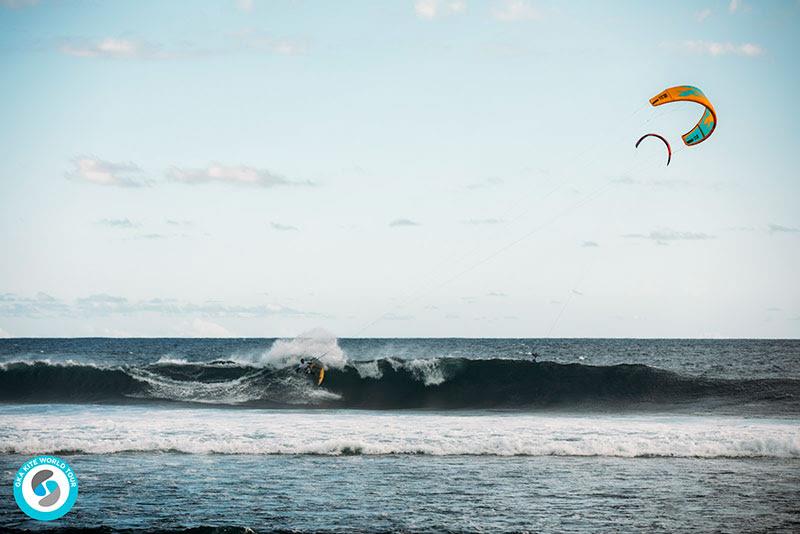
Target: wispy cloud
[(103, 305), (404, 222), (239, 175), (126, 48), (282, 227), (716, 49), (176, 222), (4, 334), (496, 294), (589, 244), (489, 182), (516, 10), (483, 221), (114, 48), (431, 9), (101, 172), (17, 4), (252, 39), (702, 15), (735, 5), (117, 223), (244, 5), (397, 317), (12, 305), (670, 182), (780, 229), (666, 235)]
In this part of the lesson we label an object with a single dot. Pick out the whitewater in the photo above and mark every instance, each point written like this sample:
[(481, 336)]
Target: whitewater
[(122, 429)]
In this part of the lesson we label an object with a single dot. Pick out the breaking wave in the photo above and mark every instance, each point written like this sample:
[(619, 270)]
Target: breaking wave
[(446, 383)]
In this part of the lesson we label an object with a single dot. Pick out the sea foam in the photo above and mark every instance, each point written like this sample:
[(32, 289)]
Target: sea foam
[(118, 429)]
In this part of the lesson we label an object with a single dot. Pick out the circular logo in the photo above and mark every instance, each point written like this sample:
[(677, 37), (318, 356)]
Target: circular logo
[(45, 487)]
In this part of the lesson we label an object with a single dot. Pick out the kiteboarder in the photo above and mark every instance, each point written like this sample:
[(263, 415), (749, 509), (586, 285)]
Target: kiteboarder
[(305, 367)]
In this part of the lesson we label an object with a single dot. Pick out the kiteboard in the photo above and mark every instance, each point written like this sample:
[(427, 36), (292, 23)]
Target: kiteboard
[(316, 372), (320, 375)]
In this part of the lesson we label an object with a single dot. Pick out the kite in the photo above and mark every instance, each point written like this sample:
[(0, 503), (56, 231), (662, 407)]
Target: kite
[(669, 148), (687, 93)]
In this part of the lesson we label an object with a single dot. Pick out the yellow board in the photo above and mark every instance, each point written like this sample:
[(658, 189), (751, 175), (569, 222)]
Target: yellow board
[(321, 375)]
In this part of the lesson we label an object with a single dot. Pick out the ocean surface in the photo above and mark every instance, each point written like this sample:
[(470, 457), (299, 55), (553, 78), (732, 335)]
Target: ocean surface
[(409, 435)]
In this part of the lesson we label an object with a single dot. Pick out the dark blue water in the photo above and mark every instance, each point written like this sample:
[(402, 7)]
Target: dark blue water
[(410, 435)]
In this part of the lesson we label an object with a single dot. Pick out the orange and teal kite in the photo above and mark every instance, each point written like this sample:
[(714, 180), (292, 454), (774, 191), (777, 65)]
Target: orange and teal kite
[(687, 93)]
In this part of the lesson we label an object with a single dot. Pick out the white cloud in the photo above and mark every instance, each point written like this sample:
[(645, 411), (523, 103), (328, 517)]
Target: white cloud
[(403, 222), (516, 10), (4, 334), (396, 317), (663, 236), (111, 48), (122, 48), (244, 5), (489, 182), (484, 221), (735, 5), (204, 328), (590, 244), (176, 222), (251, 39), (117, 223), (431, 9), (240, 175), (282, 227), (16, 4), (668, 182), (151, 236), (702, 14), (103, 305), (716, 49), (780, 229), (100, 172)]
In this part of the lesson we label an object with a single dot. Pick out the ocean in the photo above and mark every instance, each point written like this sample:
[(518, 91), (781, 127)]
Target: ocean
[(408, 435)]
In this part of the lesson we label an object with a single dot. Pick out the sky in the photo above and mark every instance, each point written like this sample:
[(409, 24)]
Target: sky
[(428, 168)]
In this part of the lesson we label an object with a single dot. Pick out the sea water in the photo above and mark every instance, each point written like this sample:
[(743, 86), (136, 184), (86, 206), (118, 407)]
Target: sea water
[(410, 435)]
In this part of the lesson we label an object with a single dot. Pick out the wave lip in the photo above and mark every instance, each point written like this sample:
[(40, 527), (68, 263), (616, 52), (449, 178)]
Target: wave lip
[(446, 383)]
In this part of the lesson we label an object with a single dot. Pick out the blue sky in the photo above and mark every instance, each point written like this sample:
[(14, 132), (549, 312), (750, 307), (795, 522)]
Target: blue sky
[(428, 168)]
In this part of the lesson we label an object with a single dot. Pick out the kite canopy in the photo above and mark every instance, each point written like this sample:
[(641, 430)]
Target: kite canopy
[(687, 93)]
